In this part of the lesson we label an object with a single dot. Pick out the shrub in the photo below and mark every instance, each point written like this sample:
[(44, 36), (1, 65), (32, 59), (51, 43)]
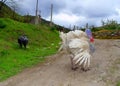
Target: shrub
[(2, 24), (4, 53), (53, 28)]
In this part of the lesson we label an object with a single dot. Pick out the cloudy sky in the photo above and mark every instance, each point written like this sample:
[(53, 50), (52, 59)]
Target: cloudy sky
[(74, 12)]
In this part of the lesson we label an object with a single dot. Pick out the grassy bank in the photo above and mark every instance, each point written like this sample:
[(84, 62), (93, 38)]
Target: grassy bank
[(118, 84), (42, 42)]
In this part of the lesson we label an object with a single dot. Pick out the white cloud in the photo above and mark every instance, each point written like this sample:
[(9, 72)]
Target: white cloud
[(118, 10), (65, 19)]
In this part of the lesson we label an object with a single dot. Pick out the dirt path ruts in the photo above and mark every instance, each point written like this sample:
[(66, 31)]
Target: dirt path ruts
[(56, 71)]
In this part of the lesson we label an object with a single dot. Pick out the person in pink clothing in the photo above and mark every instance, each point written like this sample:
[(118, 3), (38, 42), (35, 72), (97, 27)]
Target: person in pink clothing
[(91, 39)]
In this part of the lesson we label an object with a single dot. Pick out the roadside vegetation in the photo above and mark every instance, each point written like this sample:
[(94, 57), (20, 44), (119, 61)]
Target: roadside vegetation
[(42, 42), (110, 29), (118, 84)]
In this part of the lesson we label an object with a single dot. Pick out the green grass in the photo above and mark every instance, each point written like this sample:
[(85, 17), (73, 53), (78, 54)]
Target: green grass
[(118, 84), (42, 42)]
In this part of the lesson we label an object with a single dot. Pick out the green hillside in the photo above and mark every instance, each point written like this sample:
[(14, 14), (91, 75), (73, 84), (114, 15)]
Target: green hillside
[(43, 41)]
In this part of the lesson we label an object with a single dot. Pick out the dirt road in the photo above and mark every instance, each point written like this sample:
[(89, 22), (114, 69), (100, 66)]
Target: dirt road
[(56, 71)]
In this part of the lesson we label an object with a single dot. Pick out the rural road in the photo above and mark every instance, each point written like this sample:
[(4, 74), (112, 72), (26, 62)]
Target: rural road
[(56, 71)]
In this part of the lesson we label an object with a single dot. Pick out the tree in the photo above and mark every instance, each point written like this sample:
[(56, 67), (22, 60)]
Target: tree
[(11, 3), (1, 4), (103, 22), (14, 6), (110, 24)]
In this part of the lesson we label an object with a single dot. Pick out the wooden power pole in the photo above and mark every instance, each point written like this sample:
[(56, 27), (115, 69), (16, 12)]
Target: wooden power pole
[(86, 25), (36, 14), (51, 14)]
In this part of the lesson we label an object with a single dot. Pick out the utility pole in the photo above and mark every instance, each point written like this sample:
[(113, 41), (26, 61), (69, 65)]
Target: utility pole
[(51, 14), (36, 14), (39, 16), (86, 25)]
